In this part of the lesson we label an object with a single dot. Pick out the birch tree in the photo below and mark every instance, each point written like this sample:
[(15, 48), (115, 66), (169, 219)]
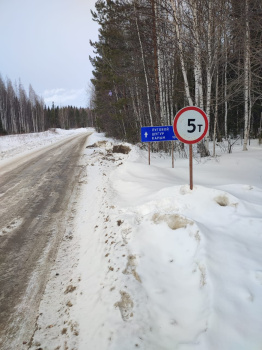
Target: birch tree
[(247, 77), (144, 65), (177, 13), (158, 56)]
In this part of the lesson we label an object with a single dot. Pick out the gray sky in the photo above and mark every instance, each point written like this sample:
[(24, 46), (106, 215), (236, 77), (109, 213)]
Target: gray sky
[(45, 43)]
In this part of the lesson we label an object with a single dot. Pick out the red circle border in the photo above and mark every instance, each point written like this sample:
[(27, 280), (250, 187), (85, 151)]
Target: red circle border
[(185, 109)]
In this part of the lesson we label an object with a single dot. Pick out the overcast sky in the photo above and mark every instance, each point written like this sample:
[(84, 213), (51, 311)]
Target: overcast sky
[(45, 43)]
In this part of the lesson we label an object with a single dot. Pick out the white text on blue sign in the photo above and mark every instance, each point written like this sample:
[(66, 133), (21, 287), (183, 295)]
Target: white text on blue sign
[(157, 133)]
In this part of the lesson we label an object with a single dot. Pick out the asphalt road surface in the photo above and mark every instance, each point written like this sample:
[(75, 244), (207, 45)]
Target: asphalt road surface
[(35, 196)]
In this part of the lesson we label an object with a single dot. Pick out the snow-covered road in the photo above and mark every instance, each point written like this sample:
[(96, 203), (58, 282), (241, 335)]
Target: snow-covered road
[(36, 199)]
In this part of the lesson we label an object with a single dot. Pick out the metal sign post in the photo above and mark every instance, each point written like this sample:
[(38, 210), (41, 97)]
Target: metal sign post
[(148, 153), (190, 126), (172, 153), (191, 167)]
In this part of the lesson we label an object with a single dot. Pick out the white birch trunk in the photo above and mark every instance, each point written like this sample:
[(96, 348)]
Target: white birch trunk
[(138, 102), (160, 69), (144, 67), (209, 74), (246, 78), (215, 119), (180, 51), (161, 82), (199, 100), (170, 90), (226, 103), (250, 97), (165, 90), (225, 87)]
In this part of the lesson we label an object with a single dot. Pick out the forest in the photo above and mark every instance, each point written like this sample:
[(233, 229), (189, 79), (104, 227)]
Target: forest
[(24, 113), (154, 57)]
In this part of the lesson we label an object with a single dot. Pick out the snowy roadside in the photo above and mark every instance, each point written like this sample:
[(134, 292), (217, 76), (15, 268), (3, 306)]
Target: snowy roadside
[(164, 267), (146, 263)]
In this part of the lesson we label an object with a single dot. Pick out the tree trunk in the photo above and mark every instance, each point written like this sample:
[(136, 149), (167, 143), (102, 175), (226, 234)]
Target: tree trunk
[(144, 67), (157, 94), (178, 25), (225, 86), (208, 72), (199, 101), (246, 78), (216, 116)]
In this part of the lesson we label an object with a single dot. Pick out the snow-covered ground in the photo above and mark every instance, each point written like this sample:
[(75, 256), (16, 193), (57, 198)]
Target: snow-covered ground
[(149, 264), (14, 145)]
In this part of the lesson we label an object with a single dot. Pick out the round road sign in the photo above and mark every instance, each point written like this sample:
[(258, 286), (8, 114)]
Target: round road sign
[(190, 125)]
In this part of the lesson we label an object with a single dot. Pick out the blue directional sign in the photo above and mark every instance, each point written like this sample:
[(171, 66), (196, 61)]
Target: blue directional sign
[(157, 133)]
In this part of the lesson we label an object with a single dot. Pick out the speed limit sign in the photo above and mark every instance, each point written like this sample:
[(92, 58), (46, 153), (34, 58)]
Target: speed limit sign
[(190, 125)]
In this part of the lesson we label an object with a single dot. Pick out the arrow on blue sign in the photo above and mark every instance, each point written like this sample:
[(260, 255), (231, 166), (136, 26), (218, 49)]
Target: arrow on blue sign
[(157, 133)]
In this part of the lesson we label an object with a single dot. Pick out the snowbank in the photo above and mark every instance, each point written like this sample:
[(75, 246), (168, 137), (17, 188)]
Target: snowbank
[(164, 267)]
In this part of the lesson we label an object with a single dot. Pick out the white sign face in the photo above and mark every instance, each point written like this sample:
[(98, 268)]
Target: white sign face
[(190, 125)]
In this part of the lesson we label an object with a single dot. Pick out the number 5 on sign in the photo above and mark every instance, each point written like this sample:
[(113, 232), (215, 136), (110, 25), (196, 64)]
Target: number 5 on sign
[(190, 126)]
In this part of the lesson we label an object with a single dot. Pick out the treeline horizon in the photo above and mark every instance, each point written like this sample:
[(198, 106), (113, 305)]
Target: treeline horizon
[(154, 57), (22, 112)]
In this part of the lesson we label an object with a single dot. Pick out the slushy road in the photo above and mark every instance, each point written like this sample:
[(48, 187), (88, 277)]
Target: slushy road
[(35, 197)]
